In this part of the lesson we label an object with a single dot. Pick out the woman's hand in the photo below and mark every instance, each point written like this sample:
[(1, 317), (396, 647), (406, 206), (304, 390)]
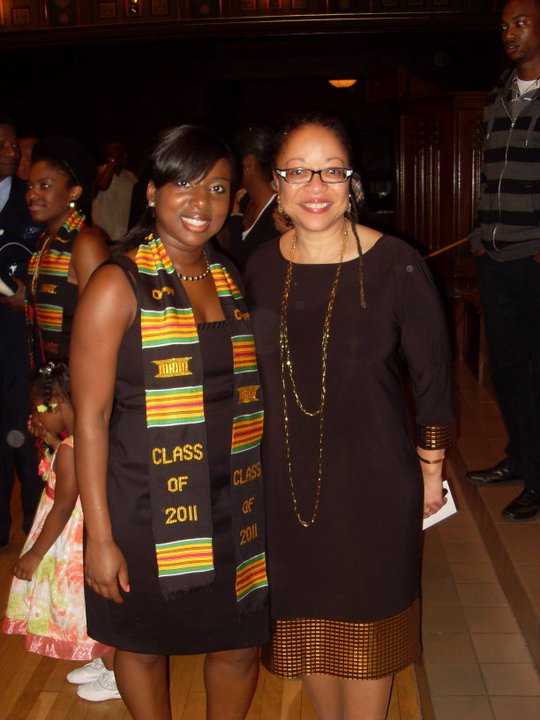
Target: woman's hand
[(431, 464), (433, 495), (26, 565), (105, 569), (35, 427)]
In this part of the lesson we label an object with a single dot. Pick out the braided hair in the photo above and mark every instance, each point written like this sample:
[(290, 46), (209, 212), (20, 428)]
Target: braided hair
[(51, 380)]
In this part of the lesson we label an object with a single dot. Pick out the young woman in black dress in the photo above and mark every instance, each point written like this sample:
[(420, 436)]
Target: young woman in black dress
[(168, 425)]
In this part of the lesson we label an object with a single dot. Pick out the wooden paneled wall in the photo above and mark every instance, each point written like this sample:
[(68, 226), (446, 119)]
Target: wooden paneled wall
[(439, 156), (24, 15)]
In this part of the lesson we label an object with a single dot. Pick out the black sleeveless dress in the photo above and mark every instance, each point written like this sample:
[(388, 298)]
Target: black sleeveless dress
[(205, 619)]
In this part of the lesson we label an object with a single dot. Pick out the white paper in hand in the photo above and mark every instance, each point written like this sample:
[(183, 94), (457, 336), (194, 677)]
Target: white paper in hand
[(448, 509)]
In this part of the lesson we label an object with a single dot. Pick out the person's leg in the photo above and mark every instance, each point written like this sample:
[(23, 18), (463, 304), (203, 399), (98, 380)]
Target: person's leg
[(366, 699), (326, 696), (18, 448), (503, 293), (532, 420), (339, 699), (26, 462), (7, 465), (143, 682), (527, 503), (108, 659), (7, 471), (230, 679)]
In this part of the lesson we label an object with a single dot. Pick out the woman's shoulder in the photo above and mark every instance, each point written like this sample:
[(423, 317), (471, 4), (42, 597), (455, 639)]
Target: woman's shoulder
[(92, 233), (396, 248), (112, 275), (90, 241)]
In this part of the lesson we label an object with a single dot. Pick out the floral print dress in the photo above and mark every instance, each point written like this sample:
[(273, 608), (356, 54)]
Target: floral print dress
[(49, 609)]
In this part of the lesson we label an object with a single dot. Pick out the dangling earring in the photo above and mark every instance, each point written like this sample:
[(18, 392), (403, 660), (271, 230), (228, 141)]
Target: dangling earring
[(286, 219), (72, 205), (349, 206)]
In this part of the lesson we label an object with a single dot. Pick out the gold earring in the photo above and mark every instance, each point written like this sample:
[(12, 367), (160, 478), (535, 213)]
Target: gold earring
[(283, 214)]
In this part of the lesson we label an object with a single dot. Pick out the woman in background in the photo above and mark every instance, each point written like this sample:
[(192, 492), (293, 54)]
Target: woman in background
[(60, 184), (251, 222)]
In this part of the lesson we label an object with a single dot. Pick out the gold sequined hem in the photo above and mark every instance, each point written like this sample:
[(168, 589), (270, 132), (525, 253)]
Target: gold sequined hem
[(348, 650), (435, 437)]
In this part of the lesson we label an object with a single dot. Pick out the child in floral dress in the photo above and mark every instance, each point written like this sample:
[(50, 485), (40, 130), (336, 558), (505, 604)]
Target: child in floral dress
[(46, 601)]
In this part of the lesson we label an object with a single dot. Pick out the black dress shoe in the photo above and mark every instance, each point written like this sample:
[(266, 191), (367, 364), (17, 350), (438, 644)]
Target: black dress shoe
[(502, 472), (525, 506)]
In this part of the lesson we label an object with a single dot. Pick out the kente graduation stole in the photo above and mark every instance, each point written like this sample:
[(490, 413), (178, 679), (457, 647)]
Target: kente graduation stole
[(176, 431), (48, 270)]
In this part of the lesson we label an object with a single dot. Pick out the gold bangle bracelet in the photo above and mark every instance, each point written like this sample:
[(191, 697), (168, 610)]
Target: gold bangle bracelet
[(430, 462)]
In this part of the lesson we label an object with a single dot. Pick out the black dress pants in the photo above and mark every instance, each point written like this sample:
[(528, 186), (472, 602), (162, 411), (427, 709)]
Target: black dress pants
[(510, 293), (14, 410)]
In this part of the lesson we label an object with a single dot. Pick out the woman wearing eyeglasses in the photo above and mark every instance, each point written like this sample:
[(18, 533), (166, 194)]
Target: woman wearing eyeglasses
[(339, 309)]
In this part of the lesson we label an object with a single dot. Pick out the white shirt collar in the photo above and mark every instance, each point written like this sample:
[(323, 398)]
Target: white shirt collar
[(5, 189)]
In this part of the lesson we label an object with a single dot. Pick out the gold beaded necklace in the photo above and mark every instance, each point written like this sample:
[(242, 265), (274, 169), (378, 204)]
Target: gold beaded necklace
[(287, 371)]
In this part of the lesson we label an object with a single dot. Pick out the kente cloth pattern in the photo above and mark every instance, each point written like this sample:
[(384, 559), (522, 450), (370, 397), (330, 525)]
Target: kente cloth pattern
[(50, 610), (174, 378), (50, 298)]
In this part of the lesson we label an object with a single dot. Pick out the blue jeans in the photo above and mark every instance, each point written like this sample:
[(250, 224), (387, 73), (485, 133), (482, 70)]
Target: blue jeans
[(510, 293)]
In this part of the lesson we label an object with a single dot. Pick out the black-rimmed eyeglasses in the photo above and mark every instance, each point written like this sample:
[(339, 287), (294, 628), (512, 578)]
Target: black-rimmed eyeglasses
[(302, 176)]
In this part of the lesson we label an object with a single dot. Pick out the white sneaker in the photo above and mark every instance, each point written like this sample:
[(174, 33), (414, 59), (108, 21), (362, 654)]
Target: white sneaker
[(87, 673), (104, 688)]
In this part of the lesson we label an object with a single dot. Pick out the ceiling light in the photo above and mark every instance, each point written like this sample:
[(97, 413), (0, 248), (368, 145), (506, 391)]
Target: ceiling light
[(342, 83)]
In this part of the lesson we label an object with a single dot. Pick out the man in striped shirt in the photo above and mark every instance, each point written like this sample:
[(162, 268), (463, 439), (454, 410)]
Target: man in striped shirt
[(506, 243)]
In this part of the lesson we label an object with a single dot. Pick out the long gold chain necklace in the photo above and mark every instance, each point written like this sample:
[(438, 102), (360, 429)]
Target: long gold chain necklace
[(287, 371)]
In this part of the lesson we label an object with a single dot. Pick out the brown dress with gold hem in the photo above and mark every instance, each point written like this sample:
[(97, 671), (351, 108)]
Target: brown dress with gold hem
[(344, 590)]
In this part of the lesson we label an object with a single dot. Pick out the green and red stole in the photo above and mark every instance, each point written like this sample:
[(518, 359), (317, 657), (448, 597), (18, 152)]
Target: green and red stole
[(177, 443), (50, 299)]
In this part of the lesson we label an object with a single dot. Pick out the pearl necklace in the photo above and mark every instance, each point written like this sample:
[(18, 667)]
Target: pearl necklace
[(201, 276)]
